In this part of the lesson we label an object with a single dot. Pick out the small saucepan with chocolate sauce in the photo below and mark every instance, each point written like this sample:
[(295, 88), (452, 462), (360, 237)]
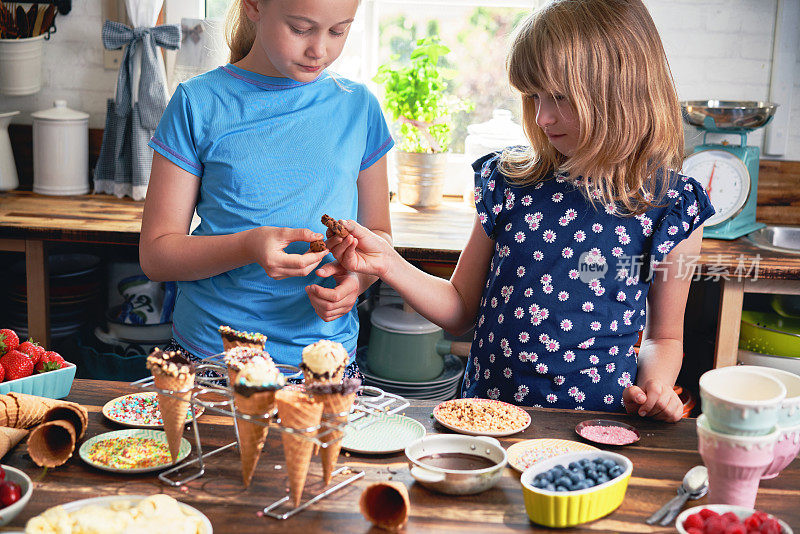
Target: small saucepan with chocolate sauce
[(456, 464)]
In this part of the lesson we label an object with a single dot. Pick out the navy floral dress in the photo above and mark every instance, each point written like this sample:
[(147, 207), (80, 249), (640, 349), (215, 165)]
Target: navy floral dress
[(565, 294)]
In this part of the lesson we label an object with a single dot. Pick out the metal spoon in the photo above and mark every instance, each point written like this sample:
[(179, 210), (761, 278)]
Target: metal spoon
[(694, 486)]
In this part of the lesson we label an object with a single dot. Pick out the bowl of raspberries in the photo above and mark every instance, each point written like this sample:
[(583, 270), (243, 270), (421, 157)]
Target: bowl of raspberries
[(728, 519), (28, 367)]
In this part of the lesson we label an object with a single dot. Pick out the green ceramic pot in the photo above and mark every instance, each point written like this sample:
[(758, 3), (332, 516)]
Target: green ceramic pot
[(403, 346)]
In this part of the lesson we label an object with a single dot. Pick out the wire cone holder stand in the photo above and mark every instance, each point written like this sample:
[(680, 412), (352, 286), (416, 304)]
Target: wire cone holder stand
[(210, 380)]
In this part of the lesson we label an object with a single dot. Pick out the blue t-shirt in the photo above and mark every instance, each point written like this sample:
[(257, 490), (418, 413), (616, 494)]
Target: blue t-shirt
[(268, 152), (565, 294)]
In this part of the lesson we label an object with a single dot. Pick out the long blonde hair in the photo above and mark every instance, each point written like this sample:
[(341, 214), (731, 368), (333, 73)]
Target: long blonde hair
[(606, 57), (240, 31)]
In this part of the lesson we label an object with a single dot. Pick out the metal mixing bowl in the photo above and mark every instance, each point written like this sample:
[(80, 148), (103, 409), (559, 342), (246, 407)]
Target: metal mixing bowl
[(727, 115)]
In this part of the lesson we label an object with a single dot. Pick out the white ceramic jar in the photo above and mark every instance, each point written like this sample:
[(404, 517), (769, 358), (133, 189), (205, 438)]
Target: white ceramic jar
[(495, 134), (60, 151)]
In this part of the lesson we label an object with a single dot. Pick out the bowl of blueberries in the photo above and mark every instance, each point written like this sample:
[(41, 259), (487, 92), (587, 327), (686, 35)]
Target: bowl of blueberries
[(575, 488)]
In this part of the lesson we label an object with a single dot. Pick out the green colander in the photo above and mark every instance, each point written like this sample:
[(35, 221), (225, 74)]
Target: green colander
[(769, 333)]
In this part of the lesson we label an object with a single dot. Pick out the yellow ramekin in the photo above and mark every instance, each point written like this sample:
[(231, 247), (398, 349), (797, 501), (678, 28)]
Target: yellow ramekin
[(567, 509)]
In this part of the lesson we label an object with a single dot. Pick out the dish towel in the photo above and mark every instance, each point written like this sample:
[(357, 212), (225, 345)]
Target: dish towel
[(123, 167)]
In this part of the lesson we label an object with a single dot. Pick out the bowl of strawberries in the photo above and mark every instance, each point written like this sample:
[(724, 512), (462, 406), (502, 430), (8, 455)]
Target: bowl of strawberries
[(725, 518), (27, 367)]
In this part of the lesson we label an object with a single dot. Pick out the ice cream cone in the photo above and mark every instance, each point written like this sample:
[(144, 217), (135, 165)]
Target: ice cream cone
[(32, 408), (72, 412), (172, 372), (323, 362), (233, 338), (52, 444), (386, 505), (252, 435), (9, 437), (298, 411), (334, 404)]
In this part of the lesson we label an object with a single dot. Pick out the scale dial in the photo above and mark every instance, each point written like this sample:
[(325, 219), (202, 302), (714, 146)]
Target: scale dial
[(725, 179)]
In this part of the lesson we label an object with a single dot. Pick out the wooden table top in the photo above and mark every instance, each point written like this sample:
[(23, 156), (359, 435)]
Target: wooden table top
[(662, 456), (427, 235)]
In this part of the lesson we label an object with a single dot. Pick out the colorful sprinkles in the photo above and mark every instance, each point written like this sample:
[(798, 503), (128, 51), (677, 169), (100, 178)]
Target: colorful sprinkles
[(129, 453), (524, 454), (139, 409)]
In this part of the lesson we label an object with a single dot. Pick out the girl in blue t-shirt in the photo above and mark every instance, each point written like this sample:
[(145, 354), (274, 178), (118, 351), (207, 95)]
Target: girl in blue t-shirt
[(577, 235), (261, 148)]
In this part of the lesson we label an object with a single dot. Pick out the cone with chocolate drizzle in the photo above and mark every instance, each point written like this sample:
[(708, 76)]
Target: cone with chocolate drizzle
[(174, 373)]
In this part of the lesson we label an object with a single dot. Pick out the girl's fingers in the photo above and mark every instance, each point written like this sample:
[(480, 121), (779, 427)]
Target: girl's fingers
[(653, 395)]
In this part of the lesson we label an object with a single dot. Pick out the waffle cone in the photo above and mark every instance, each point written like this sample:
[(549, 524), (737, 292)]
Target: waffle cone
[(385, 504), (9, 437), (310, 380), (4, 411), (333, 404), (252, 435), (233, 374), (11, 411), (228, 345), (72, 412), (298, 411), (173, 407), (51, 444)]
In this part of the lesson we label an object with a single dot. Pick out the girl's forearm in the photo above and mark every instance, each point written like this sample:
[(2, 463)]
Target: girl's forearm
[(435, 298), (185, 257), (660, 359)]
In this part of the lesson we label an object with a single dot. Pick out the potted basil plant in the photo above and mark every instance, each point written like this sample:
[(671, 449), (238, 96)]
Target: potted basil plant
[(415, 96)]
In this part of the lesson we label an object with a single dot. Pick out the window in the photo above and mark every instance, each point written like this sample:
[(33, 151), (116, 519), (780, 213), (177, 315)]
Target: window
[(476, 32)]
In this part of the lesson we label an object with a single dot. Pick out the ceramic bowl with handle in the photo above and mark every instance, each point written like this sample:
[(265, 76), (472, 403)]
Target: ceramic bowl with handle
[(570, 508), (453, 481)]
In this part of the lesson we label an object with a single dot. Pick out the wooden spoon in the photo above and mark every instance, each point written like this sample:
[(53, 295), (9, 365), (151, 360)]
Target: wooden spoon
[(37, 25), (22, 22), (49, 18)]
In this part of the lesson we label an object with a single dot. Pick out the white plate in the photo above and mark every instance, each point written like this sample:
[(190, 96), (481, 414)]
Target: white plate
[(470, 432), (386, 434), (144, 395), (741, 511), (74, 506), (453, 370), (158, 435)]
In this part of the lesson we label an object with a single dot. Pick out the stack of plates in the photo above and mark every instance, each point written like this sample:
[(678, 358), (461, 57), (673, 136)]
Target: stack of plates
[(443, 387), (75, 288)]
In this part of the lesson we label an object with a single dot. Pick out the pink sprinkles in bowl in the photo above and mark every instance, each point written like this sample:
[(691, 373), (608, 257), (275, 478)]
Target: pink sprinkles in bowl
[(139, 409)]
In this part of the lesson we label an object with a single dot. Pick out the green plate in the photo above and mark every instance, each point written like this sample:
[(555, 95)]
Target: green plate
[(157, 435), (381, 434), (769, 333)]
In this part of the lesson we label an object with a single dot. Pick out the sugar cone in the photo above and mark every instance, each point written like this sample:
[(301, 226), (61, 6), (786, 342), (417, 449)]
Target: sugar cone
[(233, 374), (299, 411), (9, 437), (51, 444), (386, 505), (4, 411), (174, 407), (333, 404), (12, 411), (72, 412), (31, 409), (252, 435)]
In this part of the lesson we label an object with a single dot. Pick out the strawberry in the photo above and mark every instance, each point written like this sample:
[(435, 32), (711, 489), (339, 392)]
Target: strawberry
[(50, 361), (32, 349), (8, 340), (2, 373), (16, 364)]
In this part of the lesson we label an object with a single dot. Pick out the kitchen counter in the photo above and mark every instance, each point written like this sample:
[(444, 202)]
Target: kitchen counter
[(434, 235), (660, 459)]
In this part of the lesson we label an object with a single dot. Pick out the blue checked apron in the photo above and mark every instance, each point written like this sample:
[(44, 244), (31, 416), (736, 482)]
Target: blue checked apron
[(123, 167)]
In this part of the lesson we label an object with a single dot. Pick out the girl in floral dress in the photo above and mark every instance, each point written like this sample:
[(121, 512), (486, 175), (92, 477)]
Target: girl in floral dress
[(582, 239)]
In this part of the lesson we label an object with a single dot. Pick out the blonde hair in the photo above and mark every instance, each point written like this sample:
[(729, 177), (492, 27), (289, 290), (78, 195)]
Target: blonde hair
[(606, 57), (240, 31)]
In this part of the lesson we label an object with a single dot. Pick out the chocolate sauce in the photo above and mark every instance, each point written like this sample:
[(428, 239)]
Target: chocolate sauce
[(457, 461)]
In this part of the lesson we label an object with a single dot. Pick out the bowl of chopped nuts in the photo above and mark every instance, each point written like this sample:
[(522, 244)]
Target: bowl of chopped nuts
[(457, 465)]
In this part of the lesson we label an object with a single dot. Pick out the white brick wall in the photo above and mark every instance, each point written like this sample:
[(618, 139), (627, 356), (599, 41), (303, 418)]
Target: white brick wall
[(717, 49)]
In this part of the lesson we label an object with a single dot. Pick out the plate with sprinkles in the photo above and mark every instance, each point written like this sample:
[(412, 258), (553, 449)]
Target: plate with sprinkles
[(524, 454), (481, 417), (131, 451), (607, 432), (140, 410)]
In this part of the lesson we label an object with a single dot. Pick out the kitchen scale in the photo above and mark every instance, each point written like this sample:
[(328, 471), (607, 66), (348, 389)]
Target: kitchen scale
[(728, 172)]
